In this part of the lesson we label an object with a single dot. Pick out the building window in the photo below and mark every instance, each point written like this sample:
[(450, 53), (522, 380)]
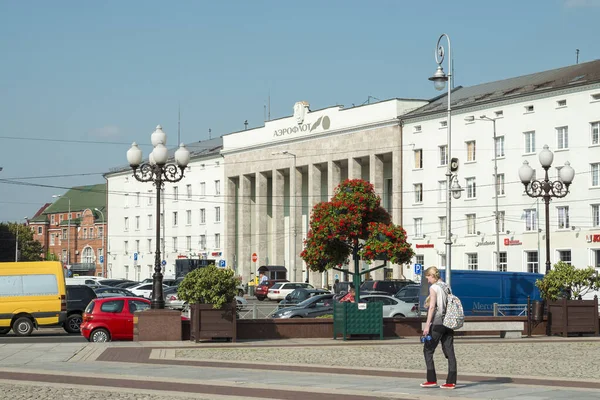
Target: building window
[(64, 234), (91, 233), (174, 218), (126, 200), (443, 260), (149, 197), (101, 232), (561, 103), (137, 199), (126, 223), (418, 159), (52, 239), (188, 217), (417, 128), (60, 218), (532, 261), (137, 246), (85, 233), (39, 230), (595, 174), (471, 151), (203, 215), (565, 256), (420, 259), (442, 185), (175, 193), (175, 244), (501, 226), (418, 227), (443, 155), (563, 217), (472, 261), (500, 185), (126, 247), (202, 242), (499, 113), (503, 261), (530, 220), (137, 222), (202, 188), (529, 109), (52, 220), (100, 253), (471, 228), (217, 214), (217, 188), (595, 215), (88, 255), (442, 221), (596, 258), (418, 192), (443, 124), (162, 220), (150, 221), (595, 132), (562, 137), (529, 142), (188, 243), (217, 240), (471, 188), (149, 245), (500, 146), (188, 189)]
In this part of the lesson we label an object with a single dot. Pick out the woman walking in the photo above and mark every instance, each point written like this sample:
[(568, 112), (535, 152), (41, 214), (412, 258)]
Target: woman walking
[(435, 329)]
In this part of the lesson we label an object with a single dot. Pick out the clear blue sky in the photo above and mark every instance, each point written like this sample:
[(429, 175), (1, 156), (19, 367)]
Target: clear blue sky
[(108, 72)]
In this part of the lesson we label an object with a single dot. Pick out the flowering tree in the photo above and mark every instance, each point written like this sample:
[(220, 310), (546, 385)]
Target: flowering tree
[(353, 223)]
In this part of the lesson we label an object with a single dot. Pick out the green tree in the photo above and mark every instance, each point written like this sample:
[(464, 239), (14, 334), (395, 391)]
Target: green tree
[(209, 285), (566, 280), (29, 249)]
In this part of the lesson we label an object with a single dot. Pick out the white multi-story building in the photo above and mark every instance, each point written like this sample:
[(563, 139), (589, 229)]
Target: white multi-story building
[(191, 216), (560, 108)]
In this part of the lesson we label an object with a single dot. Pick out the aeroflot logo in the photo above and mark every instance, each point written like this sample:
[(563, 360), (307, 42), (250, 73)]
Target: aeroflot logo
[(323, 122)]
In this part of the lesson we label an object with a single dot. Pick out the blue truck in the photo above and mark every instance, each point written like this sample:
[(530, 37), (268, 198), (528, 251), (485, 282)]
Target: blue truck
[(479, 290)]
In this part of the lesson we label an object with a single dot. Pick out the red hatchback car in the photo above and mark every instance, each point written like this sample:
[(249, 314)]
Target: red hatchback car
[(107, 319)]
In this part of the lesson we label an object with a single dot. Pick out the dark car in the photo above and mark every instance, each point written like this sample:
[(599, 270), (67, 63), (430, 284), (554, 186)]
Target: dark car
[(409, 293), (299, 295), (112, 282), (389, 286), (126, 285), (262, 289), (341, 287), (78, 297), (310, 308), (109, 291)]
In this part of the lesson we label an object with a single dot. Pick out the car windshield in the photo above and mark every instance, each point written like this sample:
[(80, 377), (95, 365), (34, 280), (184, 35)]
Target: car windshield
[(89, 307), (311, 300)]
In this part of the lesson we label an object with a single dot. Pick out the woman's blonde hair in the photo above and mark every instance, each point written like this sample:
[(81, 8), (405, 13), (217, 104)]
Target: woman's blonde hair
[(427, 301), (433, 271)]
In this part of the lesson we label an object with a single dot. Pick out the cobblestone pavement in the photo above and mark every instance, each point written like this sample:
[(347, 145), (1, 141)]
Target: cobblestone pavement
[(579, 360)]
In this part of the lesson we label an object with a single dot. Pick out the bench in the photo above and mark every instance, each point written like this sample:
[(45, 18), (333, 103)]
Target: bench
[(508, 329)]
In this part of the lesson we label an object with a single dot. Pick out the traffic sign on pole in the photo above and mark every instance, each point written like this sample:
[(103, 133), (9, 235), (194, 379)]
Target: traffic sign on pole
[(254, 257), (164, 262), (222, 263), (101, 259), (418, 268)]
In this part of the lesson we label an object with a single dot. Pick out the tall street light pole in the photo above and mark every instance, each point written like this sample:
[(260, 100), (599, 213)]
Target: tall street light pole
[(103, 261), (68, 228), (497, 214), (546, 189), (439, 82), (157, 171)]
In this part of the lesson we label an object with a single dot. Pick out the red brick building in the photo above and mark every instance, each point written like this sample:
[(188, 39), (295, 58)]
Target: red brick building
[(78, 241)]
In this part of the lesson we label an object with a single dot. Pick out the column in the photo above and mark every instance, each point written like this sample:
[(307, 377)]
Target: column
[(314, 197), (230, 215), (296, 225), (354, 168), (260, 230), (397, 198), (245, 237), (376, 179), (278, 219), (334, 177)]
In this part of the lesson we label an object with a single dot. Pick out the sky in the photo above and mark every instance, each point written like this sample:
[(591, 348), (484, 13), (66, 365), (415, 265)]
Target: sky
[(80, 81)]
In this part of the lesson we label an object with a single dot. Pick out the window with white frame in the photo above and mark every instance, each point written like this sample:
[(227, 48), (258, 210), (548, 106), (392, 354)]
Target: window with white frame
[(84, 233), (418, 227), (471, 150), (501, 226), (137, 246), (202, 188), (595, 215), (500, 185), (499, 146), (442, 185), (100, 252), (126, 200), (188, 243), (442, 221), (52, 220), (502, 261), (100, 231), (91, 233), (531, 258), (595, 132), (563, 217), (471, 188), (443, 155), (52, 239), (39, 230), (126, 224), (565, 256), (126, 246), (217, 240), (471, 226), (162, 220), (530, 220), (188, 189), (217, 188), (149, 241), (562, 137), (88, 255), (217, 214), (529, 142), (150, 221), (64, 234), (419, 259), (175, 219), (188, 217), (443, 260), (137, 199), (595, 174), (203, 215), (175, 193), (418, 158), (175, 244), (137, 222), (418, 189), (149, 197), (472, 261), (202, 243)]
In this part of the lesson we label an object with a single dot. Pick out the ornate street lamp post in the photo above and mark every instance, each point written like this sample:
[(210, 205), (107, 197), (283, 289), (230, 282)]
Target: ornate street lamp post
[(157, 171), (546, 189)]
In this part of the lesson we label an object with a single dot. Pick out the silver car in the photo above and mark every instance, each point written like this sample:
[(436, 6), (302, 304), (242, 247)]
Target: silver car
[(393, 307)]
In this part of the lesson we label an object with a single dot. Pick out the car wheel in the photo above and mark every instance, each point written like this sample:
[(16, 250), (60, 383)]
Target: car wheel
[(72, 323), (99, 335), (296, 316), (260, 298), (241, 293), (4, 331), (398, 316), (23, 326)]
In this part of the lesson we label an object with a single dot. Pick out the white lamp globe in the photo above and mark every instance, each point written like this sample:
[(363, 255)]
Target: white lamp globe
[(151, 158), (134, 155), (567, 173), (546, 157), (526, 173), (182, 156), (158, 137), (161, 154)]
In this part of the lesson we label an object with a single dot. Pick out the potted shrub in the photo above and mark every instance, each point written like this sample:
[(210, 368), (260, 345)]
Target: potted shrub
[(210, 292), (562, 289)]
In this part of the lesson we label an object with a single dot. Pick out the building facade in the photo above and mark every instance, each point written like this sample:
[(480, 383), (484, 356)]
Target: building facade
[(560, 108), (191, 219)]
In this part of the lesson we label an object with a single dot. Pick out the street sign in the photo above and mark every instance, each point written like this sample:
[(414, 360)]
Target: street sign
[(418, 268), (254, 257), (101, 259), (222, 263), (336, 276), (164, 262), (135, 256)]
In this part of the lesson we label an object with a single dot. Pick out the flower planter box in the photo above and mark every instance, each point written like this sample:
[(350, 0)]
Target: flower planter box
[(207, 322), (573, 316), (350, 319)]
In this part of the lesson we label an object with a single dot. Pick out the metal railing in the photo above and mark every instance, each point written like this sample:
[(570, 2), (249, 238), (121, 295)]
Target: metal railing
[(257, 311), (502, 310)]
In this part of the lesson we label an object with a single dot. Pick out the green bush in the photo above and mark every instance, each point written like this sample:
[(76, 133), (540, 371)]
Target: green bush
[(209, 285), (566, 280)]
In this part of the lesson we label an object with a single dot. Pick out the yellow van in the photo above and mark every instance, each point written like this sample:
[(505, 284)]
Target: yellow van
[(32, 294)]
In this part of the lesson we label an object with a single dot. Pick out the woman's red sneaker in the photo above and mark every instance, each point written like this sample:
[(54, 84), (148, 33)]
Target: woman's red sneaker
[(429, 384), (448, 386)]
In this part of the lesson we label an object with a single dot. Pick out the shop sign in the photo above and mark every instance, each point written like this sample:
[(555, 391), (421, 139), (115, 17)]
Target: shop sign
[(425, 246), (485, 243), (508, 242), (592, 238)]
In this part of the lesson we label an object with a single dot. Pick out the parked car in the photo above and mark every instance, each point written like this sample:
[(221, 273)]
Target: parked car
[(172, 299), (341, 287), (109, 291), (78, 297), (309, 308), (127, 285), (299, 295), (393, 307), (111, 318), (409, 293), (143, 289), (112, 282), (389, 286), (279, 290), (262, 289)]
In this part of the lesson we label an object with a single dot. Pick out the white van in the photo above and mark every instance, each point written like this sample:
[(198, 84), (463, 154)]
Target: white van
[(82, 280)]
